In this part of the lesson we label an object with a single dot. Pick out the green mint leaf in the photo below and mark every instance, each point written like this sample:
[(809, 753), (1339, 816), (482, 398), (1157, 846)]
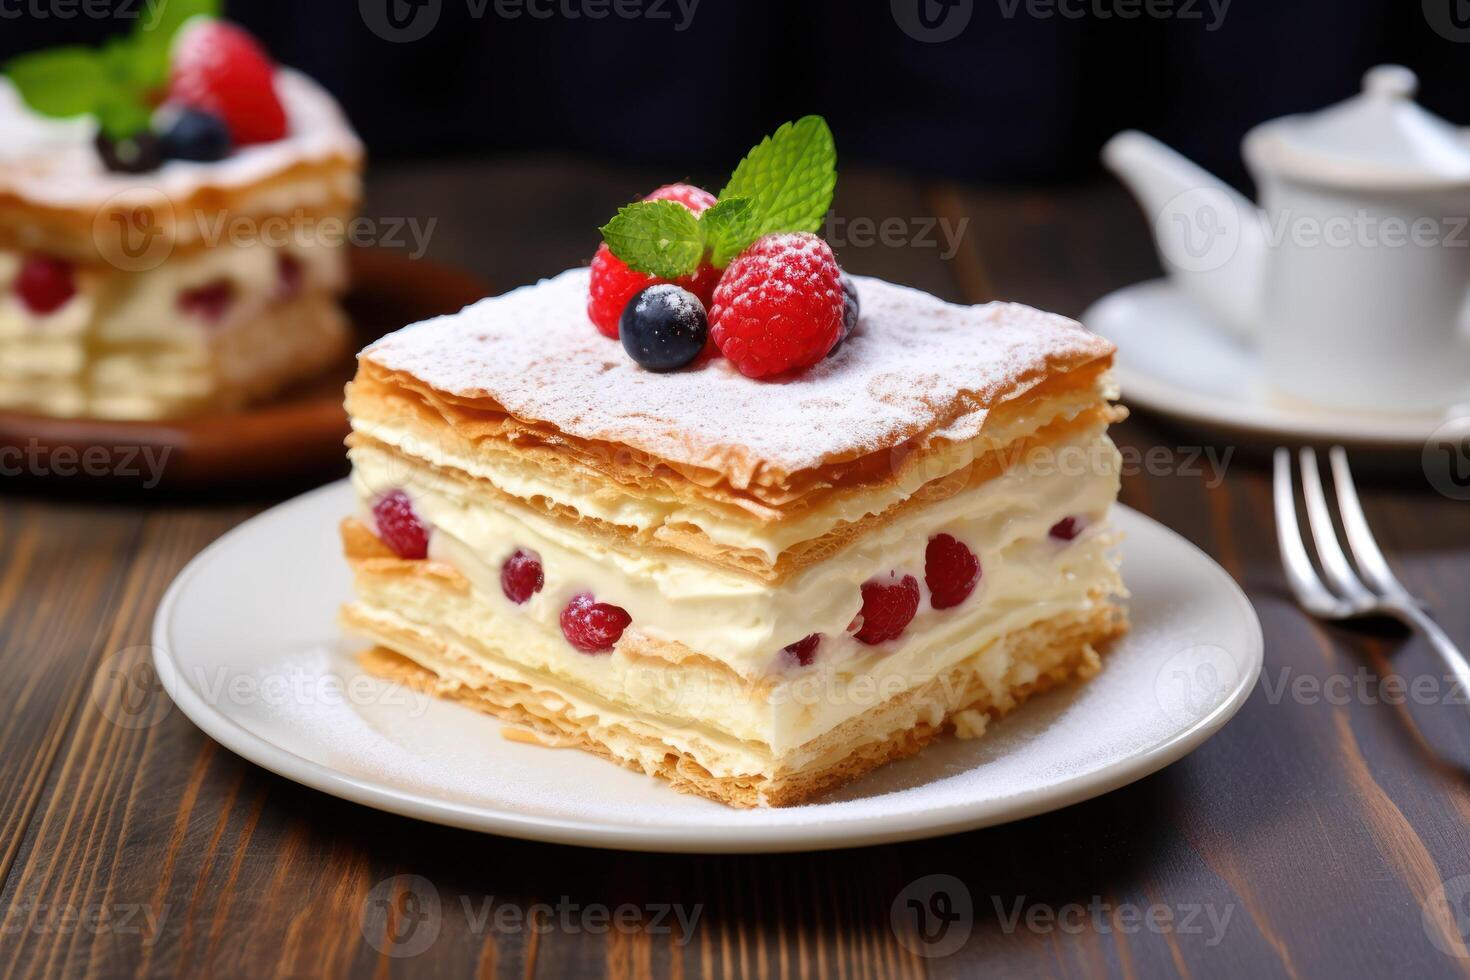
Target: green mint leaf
[(154, 36), (660, 238), (119, 59), (122, 116), (61, 82), (125, 107), (789, 179), (727, 228)]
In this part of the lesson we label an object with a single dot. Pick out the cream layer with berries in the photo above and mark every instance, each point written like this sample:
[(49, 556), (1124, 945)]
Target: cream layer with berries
[(715, 643), (742, 544), (195, 287)]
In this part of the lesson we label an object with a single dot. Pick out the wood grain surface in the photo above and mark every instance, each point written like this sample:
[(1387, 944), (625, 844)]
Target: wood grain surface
[(1323, 833)]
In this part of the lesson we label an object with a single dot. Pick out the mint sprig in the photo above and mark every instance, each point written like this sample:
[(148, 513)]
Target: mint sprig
[(661, 238), (789, 179), (783, 185), (117, 82)]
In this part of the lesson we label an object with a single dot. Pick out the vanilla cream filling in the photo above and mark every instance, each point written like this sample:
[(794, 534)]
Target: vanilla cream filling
[(651, 509), (121, 346), (740, 728), (723, 614), (768, 712)]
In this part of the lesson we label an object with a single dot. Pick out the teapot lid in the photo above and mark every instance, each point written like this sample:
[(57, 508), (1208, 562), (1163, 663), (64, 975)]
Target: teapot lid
[(1378, 138)]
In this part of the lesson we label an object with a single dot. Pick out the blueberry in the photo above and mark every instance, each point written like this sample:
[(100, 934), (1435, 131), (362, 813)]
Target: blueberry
[(136, 154), (198, 136), (664, 327), (849, 312)]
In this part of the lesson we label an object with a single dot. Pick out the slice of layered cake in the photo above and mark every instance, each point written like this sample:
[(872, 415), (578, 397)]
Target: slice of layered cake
[(757, 565), (173, 243)]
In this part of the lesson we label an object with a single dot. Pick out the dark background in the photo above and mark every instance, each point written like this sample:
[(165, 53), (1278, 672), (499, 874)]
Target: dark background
[(1012, 98)]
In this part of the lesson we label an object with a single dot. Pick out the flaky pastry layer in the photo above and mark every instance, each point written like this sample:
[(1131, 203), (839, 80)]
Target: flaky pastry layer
[(1042, 657), (442, 443)]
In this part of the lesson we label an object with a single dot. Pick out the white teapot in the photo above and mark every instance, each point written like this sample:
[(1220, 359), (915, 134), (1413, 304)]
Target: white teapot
[(1354, 274)]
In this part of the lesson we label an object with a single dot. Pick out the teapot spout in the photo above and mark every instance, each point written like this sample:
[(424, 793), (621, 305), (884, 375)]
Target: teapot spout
[(1210, 237)]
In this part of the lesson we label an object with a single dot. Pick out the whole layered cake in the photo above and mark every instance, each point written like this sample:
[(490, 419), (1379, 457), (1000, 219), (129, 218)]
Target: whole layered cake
[(775, 538), (172, 231)]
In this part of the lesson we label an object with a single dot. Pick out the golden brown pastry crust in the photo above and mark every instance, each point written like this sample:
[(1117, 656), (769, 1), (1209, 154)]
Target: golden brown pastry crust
[(1049, 654), (94, 238), (429, 418)]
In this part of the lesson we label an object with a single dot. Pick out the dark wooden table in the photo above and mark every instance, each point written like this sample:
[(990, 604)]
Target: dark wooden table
[(1316, 836)]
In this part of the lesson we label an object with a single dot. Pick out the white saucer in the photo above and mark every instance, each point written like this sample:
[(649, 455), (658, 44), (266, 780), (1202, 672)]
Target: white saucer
[(1174, 359), (246, 644)]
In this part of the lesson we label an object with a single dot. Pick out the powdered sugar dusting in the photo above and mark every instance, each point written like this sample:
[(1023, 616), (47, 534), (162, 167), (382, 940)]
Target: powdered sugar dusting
[(917, 365), (677, 297), (53, 161)]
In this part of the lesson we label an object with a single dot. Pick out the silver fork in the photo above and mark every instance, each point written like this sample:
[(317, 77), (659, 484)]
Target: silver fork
[(1346, 594)]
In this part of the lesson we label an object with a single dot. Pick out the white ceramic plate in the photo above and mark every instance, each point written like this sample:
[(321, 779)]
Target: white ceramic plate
[(1175, 360), (246, 644)]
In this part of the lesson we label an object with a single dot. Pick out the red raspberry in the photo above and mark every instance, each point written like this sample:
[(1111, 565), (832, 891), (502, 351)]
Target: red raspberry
[(614, 284), (219, 68), (288, 277), (210, 301), (889, 606), (779, 306), (521, 576), (951, 571), (45, 283), (696, 199), (804, 651), (1066, 529), (399, 526), (592, 626)]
